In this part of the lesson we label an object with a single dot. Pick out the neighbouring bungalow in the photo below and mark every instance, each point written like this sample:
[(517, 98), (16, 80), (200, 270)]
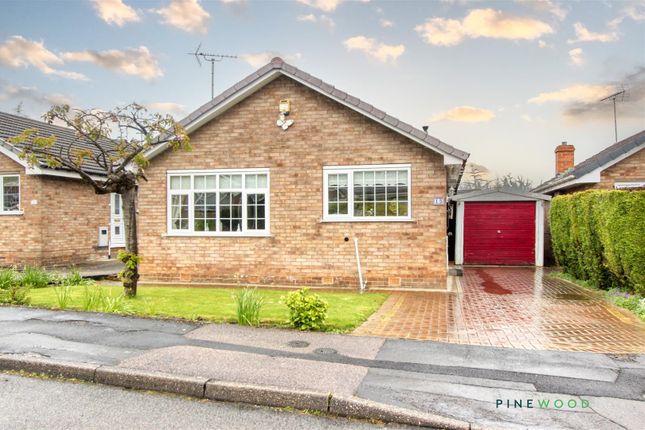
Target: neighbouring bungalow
[(47, 216), (285, 172), (620, 166)]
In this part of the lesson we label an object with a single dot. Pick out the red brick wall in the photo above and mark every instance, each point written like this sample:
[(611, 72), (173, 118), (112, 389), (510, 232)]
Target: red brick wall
[(631, 169), (21, 235), (72, 215), (60, 228), (301, 250)]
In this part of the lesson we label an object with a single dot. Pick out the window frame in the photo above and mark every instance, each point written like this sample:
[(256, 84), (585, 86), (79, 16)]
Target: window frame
[(190, 232), (13, 212), (350, 170)]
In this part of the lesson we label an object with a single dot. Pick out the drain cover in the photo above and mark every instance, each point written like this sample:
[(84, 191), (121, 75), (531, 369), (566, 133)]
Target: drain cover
[(325, 351), (298, 344)]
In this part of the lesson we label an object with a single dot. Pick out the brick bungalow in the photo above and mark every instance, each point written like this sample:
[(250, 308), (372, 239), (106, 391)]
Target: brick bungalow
[(620, 166), (47, 216), (285, 172)]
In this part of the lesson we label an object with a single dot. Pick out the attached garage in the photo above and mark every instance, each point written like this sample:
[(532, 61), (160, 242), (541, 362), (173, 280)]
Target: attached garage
[(495, 227)]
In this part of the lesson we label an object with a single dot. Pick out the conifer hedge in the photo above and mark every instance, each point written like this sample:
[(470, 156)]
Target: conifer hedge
[(600, 236)]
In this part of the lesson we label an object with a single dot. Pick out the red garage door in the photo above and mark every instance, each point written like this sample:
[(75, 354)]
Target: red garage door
[(499, 233)]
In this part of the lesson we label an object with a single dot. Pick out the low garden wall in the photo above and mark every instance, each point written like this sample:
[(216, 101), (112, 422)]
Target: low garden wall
[(600, 236)]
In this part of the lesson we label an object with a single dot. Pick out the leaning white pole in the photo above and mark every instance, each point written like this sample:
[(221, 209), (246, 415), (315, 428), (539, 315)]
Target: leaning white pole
[(358, 265)]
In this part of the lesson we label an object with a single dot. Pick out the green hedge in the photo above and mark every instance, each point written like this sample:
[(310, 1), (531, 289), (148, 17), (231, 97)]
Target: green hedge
[(600, 236)]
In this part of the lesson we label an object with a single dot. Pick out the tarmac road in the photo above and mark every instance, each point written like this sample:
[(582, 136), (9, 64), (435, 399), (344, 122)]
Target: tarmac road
[(33, 404)]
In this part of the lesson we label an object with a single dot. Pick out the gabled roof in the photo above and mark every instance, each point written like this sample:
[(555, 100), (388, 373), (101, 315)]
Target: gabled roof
[(498, 194), (276, 68), (589, 170), (13, 125)]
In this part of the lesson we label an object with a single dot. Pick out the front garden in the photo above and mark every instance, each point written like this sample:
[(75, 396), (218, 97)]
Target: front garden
[(338, 311)]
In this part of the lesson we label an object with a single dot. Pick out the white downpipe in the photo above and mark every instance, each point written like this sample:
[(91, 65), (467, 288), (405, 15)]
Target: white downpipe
[(358, 266)]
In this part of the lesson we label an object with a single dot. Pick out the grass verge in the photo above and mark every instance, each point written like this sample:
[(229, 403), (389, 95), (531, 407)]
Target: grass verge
[(347, 310), (634, 303)]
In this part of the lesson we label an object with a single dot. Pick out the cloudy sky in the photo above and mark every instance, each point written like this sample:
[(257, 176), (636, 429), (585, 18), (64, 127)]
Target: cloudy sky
[(505, 81)]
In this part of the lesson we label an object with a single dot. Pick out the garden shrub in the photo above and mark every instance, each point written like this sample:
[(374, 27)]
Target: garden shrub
[(15, 295), (8, 278), (35, 277), (307, 311), (599, 236), (74, 278), (63, 295), (93, 297), (248, 306)]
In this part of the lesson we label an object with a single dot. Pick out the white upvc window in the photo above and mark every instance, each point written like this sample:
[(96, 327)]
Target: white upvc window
[(9, 194), (218, 202), (367, 193)]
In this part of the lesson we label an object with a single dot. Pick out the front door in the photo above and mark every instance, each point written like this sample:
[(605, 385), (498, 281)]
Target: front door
[(117, 228)]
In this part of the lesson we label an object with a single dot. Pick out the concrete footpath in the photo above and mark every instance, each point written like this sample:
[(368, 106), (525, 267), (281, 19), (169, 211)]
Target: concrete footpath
[(426, 383)]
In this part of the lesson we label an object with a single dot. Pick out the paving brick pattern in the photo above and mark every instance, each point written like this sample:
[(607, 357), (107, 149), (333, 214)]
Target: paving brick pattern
[(510, 307)]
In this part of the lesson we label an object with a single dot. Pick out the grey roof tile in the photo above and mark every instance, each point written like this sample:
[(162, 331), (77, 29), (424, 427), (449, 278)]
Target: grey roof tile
[(326, 87), (12, 125), (391, 120), (405, 127), (289, 68), (418, 134), (352, 100), (365, 106), (378, 113), (339, 94), (600, 159), (361, 106)]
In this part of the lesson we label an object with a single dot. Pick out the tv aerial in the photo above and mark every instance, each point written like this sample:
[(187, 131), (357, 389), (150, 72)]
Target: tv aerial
[(211, 58), (617, 95)]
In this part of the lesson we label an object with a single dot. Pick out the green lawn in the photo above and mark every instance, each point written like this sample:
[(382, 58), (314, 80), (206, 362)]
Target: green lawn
[(346, 311)]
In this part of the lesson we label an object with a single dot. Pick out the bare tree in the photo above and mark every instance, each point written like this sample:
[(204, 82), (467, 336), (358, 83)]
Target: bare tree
[(510, 182), (478, 177), (114, 143)]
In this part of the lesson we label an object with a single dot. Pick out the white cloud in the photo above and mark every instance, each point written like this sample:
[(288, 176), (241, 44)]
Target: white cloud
[(543, 44), (584, 35), (186, 15), (166, 107), (549, 6), (634, 10), (115, 12), (377, 50), (132, 61), (584, 93), (324, 5), (488, 23), (386, 23), (20, 52), (259, 59), (307, 18), (19, 93), (465, 114), (322, 19), (576, 56)]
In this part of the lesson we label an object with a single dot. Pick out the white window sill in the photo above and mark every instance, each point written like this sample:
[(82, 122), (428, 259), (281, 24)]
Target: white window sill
[(233, 234), (375, 219), (14, 213)]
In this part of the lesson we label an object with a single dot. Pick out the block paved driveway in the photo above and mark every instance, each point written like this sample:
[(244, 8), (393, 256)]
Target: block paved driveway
[(510, 307)]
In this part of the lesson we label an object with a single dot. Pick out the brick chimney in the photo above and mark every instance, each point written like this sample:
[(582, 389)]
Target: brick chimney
[(564, 157)]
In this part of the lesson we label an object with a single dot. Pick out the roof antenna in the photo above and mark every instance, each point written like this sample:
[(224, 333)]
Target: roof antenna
[(211, 58), (620, 94)]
